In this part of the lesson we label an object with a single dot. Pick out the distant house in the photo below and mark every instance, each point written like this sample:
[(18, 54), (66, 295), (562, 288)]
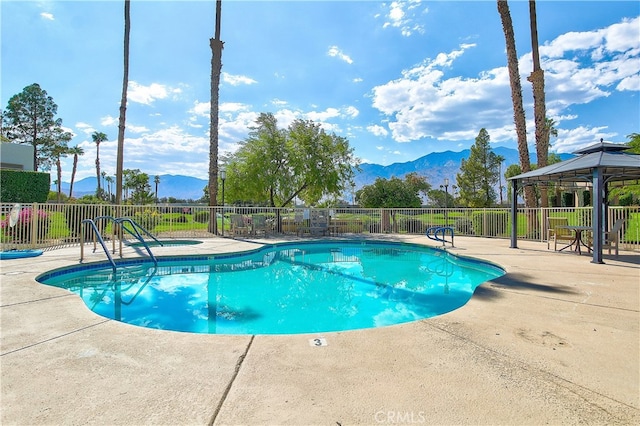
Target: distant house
[(16, 156)]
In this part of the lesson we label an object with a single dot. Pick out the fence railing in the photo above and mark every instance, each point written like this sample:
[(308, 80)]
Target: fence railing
[(48, 226)]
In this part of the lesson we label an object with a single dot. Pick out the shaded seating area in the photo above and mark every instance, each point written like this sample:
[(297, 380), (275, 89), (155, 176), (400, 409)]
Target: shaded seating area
[(598, 166), (557, 231)]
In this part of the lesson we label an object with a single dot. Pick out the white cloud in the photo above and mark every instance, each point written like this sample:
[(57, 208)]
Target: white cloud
[(85, 128), (323, 115), (378, 130), (136, 129), (358, 80), (571, 140), (233, 107), (351, 112), (148, 94), (335, 52), (403, 15), (48, 16), (109, 121), (279, 102), (630, 83), (236, 80), (200, 109), (425, 103)]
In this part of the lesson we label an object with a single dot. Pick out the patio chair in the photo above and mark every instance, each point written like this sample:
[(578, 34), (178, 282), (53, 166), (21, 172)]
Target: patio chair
[(238, 225), (259, 222), (319, 223), (611, 238), (556, 233)]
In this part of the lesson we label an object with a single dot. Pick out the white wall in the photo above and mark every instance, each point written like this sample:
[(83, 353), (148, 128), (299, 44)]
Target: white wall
[(16, 156)]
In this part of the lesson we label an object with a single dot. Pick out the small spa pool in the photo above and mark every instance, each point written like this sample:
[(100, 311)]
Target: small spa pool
[(165, 243), (286, 288)]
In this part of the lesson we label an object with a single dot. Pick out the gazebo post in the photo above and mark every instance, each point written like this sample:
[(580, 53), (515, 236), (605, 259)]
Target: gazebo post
[(598, 213), (514, 214)]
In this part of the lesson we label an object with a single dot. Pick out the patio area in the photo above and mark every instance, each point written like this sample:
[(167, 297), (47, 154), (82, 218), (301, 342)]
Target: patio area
[(554, 341)]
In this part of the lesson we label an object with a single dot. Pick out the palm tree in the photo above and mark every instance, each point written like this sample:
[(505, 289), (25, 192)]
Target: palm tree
[(516, 97), (109, 180), (216, 66), (57, 152), (539, 104), (75, 151), (98, 137), (123, 103), (156, 180)]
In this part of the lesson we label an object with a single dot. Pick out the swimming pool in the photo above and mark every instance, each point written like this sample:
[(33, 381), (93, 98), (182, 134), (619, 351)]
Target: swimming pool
[(283, 288), (165, 243)]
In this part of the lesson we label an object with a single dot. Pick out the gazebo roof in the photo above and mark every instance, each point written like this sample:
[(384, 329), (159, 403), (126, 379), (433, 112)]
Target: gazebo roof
[(614, 165)]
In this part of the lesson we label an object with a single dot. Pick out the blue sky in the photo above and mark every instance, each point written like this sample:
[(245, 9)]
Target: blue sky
[(399, 80)]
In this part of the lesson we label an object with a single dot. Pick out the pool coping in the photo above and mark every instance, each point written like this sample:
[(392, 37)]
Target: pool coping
[(556, 340)]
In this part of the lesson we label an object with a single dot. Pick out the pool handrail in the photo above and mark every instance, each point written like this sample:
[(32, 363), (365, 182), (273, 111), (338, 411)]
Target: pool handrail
[(122, 220), (137, 227), (97, 235), (433, 231)]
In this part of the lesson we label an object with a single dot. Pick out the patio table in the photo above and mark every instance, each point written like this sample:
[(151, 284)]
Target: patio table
[(578, 241)]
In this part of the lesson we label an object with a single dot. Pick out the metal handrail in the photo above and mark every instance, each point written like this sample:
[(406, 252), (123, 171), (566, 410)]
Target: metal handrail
[(137, 227), (99, 238), (122, 220), (432, 234)]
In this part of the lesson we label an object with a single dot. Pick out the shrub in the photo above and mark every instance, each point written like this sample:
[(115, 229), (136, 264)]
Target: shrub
[(412, 226), (148, 219), (490, 223), (21, 231), (201, 217), (17, 186), (464, 226), (181, 219), (76, 213)]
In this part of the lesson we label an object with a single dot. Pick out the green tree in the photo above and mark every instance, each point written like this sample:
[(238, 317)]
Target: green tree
[(628, 194), (138, 183), (75, 151), (156, 180), (634, 143), (394, 192), (479, 174), (98, 138), (273, 166), (30, 119), (58, 151), (110, 180)]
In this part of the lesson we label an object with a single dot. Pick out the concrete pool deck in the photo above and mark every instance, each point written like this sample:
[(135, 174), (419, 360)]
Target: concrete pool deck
[(554, 341)]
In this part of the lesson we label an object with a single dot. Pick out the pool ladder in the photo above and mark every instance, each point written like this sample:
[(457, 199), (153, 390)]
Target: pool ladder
[(118, 221)]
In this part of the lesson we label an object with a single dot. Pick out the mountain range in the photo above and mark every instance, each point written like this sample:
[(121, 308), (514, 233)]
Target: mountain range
[(435, 166)]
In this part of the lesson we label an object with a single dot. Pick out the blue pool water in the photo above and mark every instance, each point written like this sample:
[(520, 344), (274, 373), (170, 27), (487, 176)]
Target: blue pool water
[(281, 289)]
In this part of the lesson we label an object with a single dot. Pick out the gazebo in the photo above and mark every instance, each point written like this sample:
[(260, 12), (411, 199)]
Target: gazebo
[(599, 165)]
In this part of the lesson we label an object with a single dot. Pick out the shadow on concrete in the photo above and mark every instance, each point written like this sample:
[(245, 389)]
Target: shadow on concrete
[(490, 289)]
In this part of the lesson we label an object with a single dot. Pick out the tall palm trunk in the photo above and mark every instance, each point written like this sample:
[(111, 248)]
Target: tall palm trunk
[(516, 97), (539, 108), (73, 174), (59, 172), (99, 190), (216, 65), (123, 105)]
